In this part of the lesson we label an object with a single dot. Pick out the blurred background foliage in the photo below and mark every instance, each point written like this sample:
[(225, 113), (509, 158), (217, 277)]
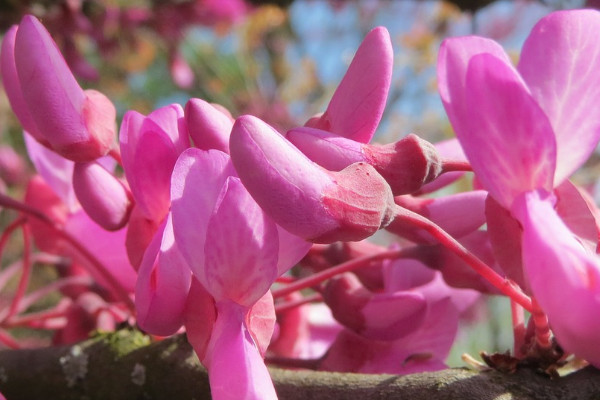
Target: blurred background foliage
[(280, 61)]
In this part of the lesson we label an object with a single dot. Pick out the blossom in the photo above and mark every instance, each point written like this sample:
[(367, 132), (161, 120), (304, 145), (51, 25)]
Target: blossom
[(78, 124), (213, 214), (309, 201), (533, 126)]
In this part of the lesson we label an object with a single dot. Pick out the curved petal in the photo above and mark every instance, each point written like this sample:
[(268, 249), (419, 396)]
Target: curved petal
[(564, 279), (12, 85), (103, 197), (209, 127), (197, 179), (508, 138), (162, 286), (453, 59), (151, 181), (57, 171), (236, 369), (560, 61), (358, 103), (237, 222), (327, 149), (282, 180), (50, 90)]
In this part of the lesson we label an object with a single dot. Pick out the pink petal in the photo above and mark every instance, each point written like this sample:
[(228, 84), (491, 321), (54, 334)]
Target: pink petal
[(12, 85), (579, 214), (381, 316), (505, 237), (171, 121), (200, 315), (358, 103), (513, 151), (236, 369), (57, 171), (246, 274), (327, 149), (163, 283), (291, 250), (196, 183), (453, 59), (260, 322), (563, 277), (104, 198), (282, 180), (107, 247), (209, 127), (560, 62), (150, 180), (78, 125)]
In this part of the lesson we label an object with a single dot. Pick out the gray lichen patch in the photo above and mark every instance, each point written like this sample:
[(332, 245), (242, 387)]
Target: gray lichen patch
[(74, 365), (138, 375)]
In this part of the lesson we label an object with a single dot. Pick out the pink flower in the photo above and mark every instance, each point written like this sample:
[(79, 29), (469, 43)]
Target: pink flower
[(302, 197), (236, 252), (525, 131), (50, 104)]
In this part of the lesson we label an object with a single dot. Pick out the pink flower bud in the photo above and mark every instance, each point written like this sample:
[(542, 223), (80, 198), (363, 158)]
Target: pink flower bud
[(303, 198), (406, 165), (209, 126), (77, 124), (102, 195)]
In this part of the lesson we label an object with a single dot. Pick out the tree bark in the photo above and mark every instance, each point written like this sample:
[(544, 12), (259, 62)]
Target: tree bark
[(125, 365)]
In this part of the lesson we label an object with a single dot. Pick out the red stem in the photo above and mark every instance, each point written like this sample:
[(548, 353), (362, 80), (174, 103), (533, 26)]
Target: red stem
[(8, 340), (115, 154), (499, 282), (98, 266), (351, 265), (543, 336), (25, 275), (519, 330), (290, 305), (456, 165)]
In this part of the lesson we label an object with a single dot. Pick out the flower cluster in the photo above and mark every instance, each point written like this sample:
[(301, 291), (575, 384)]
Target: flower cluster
[(192, 220)]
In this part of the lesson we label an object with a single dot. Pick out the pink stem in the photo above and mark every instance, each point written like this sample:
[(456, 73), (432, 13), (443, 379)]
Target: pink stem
[(543, 336), (351, 265), (290, 305), (115, 154), (25, 275), (8, 340), (499, 282), (456, 165), (519, 330)]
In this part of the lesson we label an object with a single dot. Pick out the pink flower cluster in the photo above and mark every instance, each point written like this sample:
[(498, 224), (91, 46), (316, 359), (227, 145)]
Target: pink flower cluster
[(211, 213)]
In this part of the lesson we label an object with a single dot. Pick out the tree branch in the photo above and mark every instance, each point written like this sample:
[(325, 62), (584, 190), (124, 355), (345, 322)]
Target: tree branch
[(125, 365)]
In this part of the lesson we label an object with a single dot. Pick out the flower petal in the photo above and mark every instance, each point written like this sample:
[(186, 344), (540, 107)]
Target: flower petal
[(564, 279), (560, 61), (358, 103), (197, 179), (236, 369), (512, 150), (162, 286), (209, 127), (453, 60), (237, 222), (282, 180)]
